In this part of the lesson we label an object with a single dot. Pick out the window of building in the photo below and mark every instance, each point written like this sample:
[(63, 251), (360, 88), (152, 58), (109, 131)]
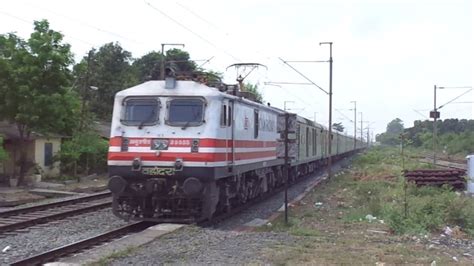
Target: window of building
[(48, 154)]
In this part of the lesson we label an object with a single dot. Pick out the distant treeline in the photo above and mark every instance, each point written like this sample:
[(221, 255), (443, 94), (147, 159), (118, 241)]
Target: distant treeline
[(455, 136)]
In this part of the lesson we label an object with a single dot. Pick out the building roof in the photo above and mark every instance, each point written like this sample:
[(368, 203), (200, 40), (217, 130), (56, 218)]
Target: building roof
[(102, 128), (10, 131)]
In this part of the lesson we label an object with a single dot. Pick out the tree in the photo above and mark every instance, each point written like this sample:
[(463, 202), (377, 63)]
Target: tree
[(179, 60), (34, 85), (253, 88), (392, 135), (147, 67), (85, 149), (108, 69), (395, 127), (338, 127)]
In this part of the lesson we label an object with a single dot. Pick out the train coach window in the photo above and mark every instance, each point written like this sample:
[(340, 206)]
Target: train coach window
[(255, 125), (224, 115), (185, 112), (140, 112), (229, 116)]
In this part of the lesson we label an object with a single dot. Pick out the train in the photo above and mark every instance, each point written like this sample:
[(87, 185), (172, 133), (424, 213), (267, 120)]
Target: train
[(186, 150)]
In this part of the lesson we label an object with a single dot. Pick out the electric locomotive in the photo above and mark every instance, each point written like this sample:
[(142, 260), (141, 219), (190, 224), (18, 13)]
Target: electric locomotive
[(184, 151)]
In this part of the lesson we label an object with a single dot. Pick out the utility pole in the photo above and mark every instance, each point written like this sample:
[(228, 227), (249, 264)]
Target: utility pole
[(361, 128), (435, 117), (330, 110), (368, 137), (435, 113), (163, 58), (355, 123)]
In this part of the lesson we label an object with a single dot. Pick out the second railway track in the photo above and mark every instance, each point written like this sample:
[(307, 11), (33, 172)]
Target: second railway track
[(85, 244), (29, 216)]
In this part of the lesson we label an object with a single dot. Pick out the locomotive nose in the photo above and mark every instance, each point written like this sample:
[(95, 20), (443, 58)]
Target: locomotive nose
[(117, 184)]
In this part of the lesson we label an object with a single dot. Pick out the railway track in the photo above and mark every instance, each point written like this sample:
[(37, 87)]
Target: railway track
[(29, 216), (82, 245), (456, 164)]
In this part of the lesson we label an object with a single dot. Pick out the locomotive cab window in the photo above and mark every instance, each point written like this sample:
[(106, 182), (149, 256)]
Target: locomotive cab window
[(185, 112), (140, 112), (224, 115)]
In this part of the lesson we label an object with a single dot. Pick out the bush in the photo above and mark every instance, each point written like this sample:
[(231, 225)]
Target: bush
[(87, 151), (3, 153), (429, 209)]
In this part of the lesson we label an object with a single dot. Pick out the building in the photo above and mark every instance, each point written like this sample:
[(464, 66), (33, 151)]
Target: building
[(40, 151)]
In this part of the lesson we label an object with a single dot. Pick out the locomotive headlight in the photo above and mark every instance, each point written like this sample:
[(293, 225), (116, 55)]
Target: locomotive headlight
[(195, 145), (137, 164)]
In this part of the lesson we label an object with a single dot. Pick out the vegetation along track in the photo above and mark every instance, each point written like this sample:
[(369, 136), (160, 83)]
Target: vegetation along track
[(25, 217), (79, 246)]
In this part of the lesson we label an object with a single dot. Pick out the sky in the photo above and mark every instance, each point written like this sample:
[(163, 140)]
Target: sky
[(388, 55)]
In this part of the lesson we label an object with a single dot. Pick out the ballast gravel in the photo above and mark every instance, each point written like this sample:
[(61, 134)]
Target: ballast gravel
[(221, 245), (197, 246), (41, 238)]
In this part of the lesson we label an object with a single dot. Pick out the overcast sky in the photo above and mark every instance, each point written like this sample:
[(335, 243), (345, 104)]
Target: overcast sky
[(388, 55)]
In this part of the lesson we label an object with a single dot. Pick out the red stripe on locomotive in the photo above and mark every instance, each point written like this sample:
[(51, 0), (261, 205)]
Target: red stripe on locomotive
[(204, 143), (190, 157)]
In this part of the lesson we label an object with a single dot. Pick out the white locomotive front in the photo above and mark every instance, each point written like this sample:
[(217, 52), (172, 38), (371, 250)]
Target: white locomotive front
[(180, 150)]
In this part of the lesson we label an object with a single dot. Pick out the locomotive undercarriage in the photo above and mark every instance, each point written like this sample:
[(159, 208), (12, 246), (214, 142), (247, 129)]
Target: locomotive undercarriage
[(188, 200)]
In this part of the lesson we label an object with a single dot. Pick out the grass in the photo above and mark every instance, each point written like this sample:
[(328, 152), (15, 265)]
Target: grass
[(373, 185), (115, 255)]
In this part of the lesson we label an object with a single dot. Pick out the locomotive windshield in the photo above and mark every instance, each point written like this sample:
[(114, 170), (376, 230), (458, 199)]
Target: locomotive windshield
[(185, 112), (141, 112)]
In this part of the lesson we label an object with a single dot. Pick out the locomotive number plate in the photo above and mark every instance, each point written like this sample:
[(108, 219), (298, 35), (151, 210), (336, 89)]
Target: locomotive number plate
[(160, 144), (158, 171)]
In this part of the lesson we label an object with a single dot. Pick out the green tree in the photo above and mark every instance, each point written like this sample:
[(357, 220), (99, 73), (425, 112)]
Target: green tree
[(253, 88), (147, 67), (392, 135), (34, 85), (395, 127), (86, 150), (108, 69), (3, 153), (179, 60)]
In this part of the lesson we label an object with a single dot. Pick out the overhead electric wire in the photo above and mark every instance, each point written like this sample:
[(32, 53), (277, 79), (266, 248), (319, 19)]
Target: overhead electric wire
[(199, 17), (85, 24), (190, 30), (341, 113), (211, 43), (441, 106), (30, 22)]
